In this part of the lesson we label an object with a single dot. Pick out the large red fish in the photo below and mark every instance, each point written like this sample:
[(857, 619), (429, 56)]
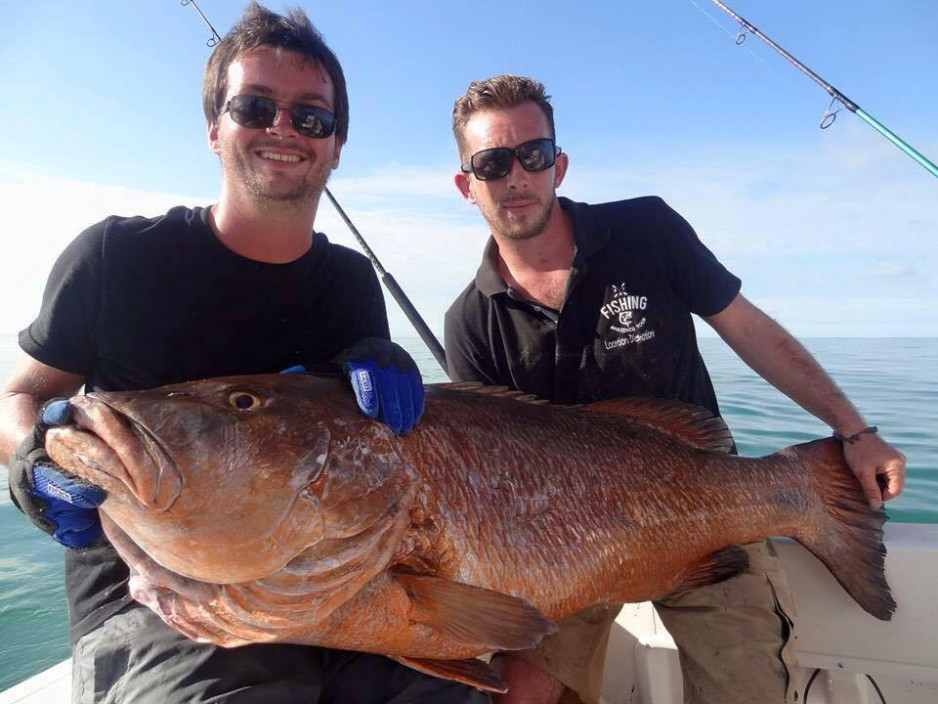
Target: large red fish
[(267, 508)]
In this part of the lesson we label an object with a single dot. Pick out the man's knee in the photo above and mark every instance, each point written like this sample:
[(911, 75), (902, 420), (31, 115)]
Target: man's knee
[(527, 683), (735, 637)]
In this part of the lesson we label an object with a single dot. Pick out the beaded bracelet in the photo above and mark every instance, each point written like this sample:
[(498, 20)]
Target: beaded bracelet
[(850, 439)]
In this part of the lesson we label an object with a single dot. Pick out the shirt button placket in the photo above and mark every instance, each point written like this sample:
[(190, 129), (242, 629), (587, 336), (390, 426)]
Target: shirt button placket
[(566, 359), (568, 351)]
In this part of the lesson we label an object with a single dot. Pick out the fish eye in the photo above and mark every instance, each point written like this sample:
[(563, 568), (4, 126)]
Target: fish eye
[(243, 400)]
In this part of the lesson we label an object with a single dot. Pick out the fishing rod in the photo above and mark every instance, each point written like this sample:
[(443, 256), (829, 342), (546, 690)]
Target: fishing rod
[(403, 301), (429, 339), (836, 95)]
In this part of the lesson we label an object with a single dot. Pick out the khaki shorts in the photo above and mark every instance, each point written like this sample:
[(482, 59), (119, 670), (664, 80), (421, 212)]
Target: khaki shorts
[(734, 639), (576, 653)]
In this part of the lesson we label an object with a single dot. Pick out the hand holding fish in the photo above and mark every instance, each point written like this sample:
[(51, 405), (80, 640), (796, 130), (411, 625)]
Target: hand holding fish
[(386, 381), (869, 457), (63, 506)]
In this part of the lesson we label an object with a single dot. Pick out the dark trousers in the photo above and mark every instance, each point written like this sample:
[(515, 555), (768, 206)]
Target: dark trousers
[(134, 658)]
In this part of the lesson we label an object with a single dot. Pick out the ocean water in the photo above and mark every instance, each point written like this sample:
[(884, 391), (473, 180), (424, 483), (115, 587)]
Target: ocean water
[(894, 382)]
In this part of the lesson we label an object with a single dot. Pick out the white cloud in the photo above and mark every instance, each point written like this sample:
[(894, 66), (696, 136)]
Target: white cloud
[(395, 181), (431, 253), (849, 220), (841, 240), (893, 269), (832, 242), (42, 214), (852, 194), (424, 246)]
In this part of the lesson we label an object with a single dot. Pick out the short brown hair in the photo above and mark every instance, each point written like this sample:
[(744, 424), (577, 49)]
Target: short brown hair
[(259, 27), (504, 91)]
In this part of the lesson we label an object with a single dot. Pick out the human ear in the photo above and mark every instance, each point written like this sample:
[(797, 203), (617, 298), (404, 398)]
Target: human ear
[(461, 179), (338, 153), (560, 168), (212, 126)]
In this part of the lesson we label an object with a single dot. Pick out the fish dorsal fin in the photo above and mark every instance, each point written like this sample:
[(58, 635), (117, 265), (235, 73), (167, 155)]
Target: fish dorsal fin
[(473, 672), (475, 616), (715, 567), (496, 391), (692, 424)]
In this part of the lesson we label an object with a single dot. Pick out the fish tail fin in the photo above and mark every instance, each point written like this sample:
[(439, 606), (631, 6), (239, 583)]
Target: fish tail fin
[(846, 534)]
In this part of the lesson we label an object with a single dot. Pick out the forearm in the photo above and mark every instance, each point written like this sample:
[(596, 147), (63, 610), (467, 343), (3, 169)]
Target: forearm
[(32, 384), (18, 412), (784, 362)]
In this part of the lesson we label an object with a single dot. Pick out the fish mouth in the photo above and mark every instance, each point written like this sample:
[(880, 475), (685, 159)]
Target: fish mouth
[(109, 449)]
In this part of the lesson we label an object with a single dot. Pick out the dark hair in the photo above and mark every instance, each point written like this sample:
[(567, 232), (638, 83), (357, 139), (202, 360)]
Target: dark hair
[(505, 91), (259, 27)]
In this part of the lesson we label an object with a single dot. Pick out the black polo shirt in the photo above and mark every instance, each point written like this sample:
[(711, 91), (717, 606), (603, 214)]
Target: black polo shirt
[(625, 328)]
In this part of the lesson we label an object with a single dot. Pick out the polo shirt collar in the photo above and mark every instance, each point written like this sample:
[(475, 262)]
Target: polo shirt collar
[(590, 232), (488, 280)]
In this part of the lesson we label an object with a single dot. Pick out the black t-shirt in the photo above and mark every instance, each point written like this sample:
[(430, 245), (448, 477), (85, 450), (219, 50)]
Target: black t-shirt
[(625, 328), (136, 303)]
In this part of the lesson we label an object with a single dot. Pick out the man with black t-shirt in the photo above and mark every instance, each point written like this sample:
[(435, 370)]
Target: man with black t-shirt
[(244, 286), (577, 303)]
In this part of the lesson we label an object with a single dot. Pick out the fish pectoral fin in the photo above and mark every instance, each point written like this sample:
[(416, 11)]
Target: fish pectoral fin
[(475, 616), (469, 671), (715, 567)]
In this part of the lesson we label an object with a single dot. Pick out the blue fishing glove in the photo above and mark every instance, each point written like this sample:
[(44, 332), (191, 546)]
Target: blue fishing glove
[(385, 379), (65, 507), (386, 382)]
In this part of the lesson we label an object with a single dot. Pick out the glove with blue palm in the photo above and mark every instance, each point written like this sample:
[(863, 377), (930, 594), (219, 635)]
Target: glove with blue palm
[(385, 379), (65, 507), (386, 382)]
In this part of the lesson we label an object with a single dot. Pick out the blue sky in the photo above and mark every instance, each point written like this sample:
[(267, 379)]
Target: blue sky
[(833, 232)]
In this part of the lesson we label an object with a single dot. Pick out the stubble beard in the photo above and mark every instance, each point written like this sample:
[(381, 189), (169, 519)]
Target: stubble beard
[(521, 230), (294, 194)]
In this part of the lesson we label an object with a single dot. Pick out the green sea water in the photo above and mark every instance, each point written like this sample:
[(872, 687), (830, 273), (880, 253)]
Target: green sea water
[(894, 382)]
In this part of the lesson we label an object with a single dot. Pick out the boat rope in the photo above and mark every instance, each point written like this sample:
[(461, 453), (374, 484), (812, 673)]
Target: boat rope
[(830, 115), (817, 671), (429, 339)]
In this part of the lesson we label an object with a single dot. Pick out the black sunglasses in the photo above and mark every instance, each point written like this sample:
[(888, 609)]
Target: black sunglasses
[(491, 164), (257, 112)]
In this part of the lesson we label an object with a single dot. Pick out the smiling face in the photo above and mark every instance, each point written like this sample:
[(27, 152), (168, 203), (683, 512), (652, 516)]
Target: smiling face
[(518, 206), (276, 164)]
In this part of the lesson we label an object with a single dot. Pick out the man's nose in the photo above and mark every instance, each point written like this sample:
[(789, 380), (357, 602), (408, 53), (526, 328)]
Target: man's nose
[(517, 176), (283, 122)]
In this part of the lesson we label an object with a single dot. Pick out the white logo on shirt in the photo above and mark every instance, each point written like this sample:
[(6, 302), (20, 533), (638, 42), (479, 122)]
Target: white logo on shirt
[(625, 309)]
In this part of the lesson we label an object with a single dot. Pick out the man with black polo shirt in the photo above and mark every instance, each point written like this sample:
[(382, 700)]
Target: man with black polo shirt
[(241, 287), (577, 303)]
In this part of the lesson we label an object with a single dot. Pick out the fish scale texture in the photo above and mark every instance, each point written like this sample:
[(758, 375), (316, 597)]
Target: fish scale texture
[(496, 503)]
